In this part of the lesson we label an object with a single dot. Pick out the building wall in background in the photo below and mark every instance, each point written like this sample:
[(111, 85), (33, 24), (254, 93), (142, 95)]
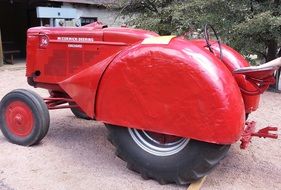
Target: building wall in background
[(18, 15), (104, 15)]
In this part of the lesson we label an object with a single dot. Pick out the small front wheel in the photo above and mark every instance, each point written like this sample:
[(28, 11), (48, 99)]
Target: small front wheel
[(24, 117), (165, 158)]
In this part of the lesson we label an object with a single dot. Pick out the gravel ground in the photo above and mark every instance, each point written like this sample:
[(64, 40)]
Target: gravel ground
[(76, 155)]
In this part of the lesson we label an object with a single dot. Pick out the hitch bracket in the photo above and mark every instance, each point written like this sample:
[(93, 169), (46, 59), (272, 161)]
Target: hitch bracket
[(249, 132)]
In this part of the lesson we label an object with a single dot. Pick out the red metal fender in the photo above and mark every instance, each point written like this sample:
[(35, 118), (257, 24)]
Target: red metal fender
[(233, 60), (176, 88), (82, 87)]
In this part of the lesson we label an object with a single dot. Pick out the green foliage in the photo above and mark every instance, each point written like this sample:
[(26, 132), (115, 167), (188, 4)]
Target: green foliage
[(251, 26)]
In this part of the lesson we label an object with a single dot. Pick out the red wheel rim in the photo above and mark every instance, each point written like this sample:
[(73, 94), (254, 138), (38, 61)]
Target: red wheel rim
[(19, 118)]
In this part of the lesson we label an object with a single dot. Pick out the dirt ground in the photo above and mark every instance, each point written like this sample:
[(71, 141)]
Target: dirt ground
[(76, 155)]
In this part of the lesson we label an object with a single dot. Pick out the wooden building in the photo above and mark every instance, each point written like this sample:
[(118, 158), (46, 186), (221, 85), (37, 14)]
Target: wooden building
[(16, 16)]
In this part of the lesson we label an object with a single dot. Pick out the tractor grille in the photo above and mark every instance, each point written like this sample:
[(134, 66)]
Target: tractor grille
[(69, 61), (75, 60), (57, 64)]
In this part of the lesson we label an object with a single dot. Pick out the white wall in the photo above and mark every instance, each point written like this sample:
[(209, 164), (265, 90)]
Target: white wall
[(104, 15)]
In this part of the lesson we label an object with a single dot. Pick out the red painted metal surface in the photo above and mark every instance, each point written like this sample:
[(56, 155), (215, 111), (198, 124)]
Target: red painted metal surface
[(59, 103), (71, 50), (260, 84), (177, 88), (75, 59), (233, 60), (19, 118), (249, 132), (260, 80)]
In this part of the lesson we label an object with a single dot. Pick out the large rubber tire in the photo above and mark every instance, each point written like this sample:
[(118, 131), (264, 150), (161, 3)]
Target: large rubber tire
[(187, 161), (79, 113), (24, 117)]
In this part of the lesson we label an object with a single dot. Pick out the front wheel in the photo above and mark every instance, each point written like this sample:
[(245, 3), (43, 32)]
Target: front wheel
[(165, 158), (24, 117)]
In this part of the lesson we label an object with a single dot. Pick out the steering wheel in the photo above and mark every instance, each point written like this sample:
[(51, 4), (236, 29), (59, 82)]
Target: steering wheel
[(207, 38)]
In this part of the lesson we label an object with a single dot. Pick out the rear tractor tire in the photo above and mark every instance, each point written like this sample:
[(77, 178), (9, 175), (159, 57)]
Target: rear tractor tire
[(165, 158), (24, 117)]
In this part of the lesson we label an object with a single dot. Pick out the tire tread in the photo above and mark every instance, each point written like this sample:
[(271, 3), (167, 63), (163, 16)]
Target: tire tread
[(205, 162)]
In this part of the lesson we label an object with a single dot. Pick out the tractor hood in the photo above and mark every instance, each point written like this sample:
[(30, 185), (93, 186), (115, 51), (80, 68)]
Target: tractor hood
[(124, 35), (128, 35)]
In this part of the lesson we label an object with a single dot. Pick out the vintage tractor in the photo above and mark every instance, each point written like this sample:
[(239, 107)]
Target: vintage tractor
[(172, 106)]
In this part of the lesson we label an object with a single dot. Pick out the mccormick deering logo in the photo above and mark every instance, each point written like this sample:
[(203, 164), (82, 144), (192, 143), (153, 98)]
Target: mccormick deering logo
[(75, 39)]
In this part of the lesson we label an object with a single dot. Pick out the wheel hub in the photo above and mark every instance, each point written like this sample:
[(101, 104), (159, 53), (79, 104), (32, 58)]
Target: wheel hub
[(19, 118), (158, 144)]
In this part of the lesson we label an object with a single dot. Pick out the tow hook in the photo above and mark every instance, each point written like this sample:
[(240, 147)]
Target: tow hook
[(249, 132)]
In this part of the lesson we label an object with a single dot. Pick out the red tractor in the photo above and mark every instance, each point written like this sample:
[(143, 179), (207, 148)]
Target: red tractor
[(172, 106)]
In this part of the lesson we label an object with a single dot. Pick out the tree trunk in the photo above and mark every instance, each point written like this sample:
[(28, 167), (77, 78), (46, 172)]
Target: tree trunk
[(277, 77), (272, 48)]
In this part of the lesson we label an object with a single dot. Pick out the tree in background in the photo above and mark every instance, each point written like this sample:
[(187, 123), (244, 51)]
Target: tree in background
[(250, 26)]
